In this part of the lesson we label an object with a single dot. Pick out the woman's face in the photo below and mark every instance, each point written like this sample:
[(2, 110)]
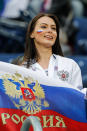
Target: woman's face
[(44, 33)]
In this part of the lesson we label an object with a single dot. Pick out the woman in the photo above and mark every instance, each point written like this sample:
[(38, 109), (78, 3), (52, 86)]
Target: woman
[(43, 53)]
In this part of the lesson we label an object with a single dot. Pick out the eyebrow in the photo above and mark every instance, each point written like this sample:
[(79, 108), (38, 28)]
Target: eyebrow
[(46, 24)]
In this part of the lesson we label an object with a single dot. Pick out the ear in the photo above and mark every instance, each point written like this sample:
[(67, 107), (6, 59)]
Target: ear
[(32, 35)]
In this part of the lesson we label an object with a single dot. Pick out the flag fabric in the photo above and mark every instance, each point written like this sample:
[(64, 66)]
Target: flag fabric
[(23, 94)]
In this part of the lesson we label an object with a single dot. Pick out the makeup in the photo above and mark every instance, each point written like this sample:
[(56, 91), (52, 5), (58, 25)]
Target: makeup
[(39, 31)]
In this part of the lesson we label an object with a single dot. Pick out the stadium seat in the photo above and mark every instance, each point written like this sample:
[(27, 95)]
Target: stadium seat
[(81, 37)]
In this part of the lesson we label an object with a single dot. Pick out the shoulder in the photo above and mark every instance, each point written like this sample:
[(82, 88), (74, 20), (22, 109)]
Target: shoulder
[(66, 61)]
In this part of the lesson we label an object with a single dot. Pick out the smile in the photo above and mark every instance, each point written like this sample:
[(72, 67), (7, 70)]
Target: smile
[(48, 37)]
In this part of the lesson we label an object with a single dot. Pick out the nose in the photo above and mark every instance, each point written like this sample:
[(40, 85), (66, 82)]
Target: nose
[(49, 30)]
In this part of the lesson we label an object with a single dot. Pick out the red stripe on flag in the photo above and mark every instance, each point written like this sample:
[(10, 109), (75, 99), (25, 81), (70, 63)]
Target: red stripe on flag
[(12, 119)]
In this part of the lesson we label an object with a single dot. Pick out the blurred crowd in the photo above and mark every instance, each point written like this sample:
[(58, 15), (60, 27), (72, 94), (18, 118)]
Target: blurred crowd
[(72, 15)]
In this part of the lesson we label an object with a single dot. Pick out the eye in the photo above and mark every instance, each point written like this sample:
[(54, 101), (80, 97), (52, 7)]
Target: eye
[(43, 26), (54, 28)]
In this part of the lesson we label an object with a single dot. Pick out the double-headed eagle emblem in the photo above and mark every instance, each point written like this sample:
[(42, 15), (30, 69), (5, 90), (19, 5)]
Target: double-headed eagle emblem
[(25, 93)]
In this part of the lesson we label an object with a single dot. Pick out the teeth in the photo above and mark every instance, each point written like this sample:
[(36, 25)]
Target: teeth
[(49, 37)]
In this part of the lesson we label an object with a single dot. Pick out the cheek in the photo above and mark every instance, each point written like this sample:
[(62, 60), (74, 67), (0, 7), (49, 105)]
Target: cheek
[(39, 31), (55, 34)]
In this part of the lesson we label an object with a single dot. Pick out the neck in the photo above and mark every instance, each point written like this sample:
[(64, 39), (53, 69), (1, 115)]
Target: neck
[(45, 54)]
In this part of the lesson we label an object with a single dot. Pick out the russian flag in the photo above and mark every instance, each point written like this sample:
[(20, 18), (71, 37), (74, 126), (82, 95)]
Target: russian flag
[(21, 95)]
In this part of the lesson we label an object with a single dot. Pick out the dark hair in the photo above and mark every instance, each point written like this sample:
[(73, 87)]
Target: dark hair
[(31, 52)]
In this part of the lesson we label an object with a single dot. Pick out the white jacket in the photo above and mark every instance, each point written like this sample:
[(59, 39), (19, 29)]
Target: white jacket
[(62, 69)]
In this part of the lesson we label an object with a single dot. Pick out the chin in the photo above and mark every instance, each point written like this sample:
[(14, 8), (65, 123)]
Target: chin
[(48, 45)]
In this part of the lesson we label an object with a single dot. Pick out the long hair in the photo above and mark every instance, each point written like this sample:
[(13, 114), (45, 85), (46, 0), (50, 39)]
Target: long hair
[(31, 53)]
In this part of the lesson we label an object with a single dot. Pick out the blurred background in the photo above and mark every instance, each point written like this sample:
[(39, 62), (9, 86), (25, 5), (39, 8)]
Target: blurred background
[(72, 14)]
